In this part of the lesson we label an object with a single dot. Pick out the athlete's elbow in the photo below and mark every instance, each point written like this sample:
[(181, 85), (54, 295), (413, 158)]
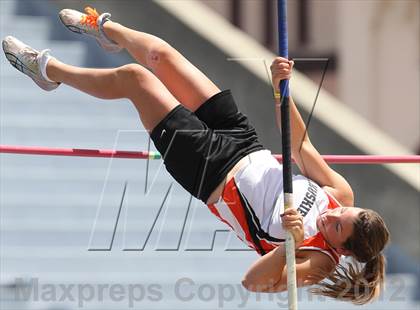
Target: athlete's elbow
[(245, 284), (257, 286), (251, 286)]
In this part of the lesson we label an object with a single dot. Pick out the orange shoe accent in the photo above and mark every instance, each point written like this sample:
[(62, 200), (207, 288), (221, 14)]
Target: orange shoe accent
[(91, 17)]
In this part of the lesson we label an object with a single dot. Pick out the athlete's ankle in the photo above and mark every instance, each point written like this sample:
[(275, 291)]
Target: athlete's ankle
[(106, 29), (111, 31), (50, 70), (44, 58)]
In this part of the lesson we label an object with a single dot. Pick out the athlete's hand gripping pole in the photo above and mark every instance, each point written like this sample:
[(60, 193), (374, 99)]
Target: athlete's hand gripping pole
[(286, 151)]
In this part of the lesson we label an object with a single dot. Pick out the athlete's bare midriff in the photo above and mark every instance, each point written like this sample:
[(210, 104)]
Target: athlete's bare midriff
[(217, 193)]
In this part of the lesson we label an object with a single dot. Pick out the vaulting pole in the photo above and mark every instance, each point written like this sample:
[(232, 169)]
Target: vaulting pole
[(286, 152)]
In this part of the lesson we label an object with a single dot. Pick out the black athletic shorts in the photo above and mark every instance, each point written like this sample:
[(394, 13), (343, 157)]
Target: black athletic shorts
[(199, 149)]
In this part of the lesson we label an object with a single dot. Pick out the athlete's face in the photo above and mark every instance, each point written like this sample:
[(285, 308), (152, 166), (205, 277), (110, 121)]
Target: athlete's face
[(336, 225)]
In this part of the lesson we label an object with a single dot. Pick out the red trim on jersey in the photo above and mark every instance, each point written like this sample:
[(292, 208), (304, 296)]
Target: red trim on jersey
[(333, 203), (215, 212), (232, 199)]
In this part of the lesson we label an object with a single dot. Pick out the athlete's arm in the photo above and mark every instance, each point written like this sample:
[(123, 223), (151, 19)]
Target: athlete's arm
[(307, 158), (269, 273)]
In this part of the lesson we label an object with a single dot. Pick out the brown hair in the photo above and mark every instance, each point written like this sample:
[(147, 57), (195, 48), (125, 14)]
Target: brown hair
[(355, 284)]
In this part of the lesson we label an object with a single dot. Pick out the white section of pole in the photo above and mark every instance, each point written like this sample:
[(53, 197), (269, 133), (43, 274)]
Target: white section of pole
[(290, 260)]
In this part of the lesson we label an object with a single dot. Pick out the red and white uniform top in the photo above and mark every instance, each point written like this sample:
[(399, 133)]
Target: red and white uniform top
[(252, 202)]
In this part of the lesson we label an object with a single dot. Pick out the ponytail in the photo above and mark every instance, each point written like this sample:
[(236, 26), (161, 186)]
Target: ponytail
[(355, 283)]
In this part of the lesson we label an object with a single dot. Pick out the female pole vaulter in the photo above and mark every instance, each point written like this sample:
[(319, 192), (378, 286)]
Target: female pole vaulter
[(212, 150)]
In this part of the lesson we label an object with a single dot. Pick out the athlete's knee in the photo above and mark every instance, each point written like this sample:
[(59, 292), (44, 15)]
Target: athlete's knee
[(132, 77), (132, 73)]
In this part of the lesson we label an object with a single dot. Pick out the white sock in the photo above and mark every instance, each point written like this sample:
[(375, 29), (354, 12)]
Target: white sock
[(102, 19), (43, 58)]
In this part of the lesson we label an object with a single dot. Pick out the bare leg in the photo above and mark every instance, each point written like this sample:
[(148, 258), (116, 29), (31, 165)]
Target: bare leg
[(188, 84), (151, 98)]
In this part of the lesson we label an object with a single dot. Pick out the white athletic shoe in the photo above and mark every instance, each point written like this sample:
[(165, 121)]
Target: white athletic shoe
[(91, 24), (29, 61)]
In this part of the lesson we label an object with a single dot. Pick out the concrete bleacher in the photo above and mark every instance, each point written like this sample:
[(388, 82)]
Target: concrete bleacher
[(58, 214)]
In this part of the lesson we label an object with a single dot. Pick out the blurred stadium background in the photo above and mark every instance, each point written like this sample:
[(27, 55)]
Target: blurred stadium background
[(58, 214)]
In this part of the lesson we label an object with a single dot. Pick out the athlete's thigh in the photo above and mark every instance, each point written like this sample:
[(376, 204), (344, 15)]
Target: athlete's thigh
[(149, 95), (186, 82)]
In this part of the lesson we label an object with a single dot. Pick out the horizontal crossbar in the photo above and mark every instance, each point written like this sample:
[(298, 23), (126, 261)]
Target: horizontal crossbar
[(332, 159)]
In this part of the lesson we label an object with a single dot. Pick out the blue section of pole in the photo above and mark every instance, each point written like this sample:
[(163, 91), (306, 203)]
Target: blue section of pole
[(283, 40), (284, 90)]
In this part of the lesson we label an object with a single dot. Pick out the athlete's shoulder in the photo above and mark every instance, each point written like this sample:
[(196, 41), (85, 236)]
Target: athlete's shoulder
[(339, 198), (319, 261), (317, 243)]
